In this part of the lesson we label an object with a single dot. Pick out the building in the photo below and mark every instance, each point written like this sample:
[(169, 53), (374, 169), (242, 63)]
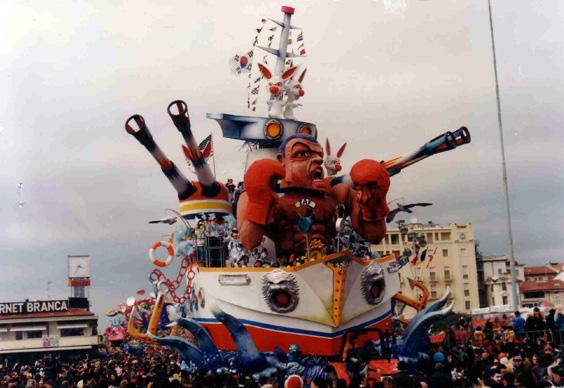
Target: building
[(450, 261), (495, 280), (534, 292), (543, 273), (46, 326), (543, 283), (39, 326)]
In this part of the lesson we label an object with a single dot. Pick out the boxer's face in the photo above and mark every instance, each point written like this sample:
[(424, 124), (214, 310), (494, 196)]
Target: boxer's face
[(303, 161)]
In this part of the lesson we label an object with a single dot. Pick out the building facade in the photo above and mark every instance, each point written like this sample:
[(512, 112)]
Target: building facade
[(543, 284), (449, 263), (495, 280), (39, 326), (47, 326), (533, 293)]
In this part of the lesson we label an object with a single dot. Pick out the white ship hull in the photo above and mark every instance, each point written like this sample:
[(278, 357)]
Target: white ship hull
[(311, 305)]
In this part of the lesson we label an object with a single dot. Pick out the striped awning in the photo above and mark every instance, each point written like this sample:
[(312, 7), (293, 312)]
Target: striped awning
[(28, 328), (72, 326)]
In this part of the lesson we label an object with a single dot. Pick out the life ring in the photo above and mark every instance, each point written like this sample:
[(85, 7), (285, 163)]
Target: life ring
[(169, 248)]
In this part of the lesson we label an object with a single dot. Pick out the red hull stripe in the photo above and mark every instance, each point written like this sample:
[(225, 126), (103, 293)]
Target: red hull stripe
[(290, 330), (267, 340)]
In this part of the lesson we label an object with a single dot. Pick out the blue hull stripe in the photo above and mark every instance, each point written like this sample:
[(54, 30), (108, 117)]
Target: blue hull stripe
[(300, 331)]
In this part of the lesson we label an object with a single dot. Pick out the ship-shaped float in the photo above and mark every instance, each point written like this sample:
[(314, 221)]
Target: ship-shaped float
[(311, 296)]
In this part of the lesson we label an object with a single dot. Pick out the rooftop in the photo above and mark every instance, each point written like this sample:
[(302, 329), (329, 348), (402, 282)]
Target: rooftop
[(69, 313), (549, 285), (500, 258), (547, 269)]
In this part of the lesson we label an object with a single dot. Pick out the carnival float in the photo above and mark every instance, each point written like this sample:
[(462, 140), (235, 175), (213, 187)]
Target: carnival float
[(278, 271)]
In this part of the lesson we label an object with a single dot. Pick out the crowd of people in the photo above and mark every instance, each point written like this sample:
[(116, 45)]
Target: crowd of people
[(120, 368), (497, 353)]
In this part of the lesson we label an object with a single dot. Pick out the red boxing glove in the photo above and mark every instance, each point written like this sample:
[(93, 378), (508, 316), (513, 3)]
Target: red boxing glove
[(258, 181), (372, 181)]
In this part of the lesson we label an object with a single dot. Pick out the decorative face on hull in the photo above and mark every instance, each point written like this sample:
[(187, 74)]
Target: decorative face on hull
[(373, 283), (280, 290)]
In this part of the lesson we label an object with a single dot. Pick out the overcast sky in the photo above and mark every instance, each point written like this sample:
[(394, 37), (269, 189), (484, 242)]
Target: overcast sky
[(384, 76)]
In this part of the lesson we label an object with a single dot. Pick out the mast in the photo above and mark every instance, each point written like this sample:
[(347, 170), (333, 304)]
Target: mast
[(282, 52), (283, 44)]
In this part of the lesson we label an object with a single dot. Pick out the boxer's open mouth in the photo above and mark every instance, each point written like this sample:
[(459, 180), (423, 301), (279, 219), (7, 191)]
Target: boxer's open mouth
[(317, 174)]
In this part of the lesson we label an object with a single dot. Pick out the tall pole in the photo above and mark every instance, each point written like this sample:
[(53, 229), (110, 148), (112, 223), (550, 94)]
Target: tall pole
[(514, 288)]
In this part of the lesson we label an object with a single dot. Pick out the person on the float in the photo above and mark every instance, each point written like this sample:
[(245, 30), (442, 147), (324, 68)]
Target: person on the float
[(201, 239), (302, 192)]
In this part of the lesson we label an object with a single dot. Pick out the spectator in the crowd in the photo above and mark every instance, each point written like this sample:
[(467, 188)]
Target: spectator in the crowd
[(519, 325), (559, 326), (537, 370), (554, 373), (439, 378), (508, 380), (535, 325), (294, 381), (319, 382)]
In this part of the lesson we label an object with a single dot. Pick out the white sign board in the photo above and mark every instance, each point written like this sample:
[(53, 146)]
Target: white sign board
[(79, 266)]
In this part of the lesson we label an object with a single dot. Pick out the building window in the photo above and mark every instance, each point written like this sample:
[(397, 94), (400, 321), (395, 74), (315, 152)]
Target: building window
[(463, 252), (447, 273), (465, 272), (445, 252), (72, 332), (394, 238), (34, 334), (467, 305), (445, 236), (505, 299), (19, 335), (433, 291), (432, 274), (430, 237), (466, 289), (499, 271), (503, 286), (534, 294)]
